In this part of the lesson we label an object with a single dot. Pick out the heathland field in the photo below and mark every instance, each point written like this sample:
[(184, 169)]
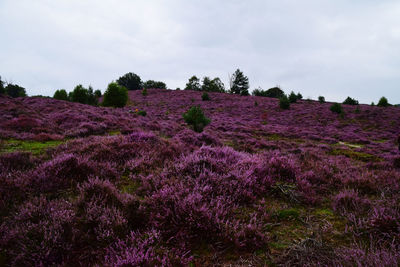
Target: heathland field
[(136, 186)]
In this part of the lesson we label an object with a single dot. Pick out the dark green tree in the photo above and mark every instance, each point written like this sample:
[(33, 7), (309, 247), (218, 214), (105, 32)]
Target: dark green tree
[(239, 83), (2, 90), (154, 84), (321, 99), (92, 99), (14, 90), (214, 85), (350, 101), (97, 93), (193, 84), (61, 95), (130, 81), (292, 97), (195, 117), (284, 102), (80, 94), (115, 96), (299, 96), (383, 102), (275, 92)]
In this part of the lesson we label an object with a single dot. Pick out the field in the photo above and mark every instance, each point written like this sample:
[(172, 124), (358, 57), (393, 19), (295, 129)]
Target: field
[(86, 186)]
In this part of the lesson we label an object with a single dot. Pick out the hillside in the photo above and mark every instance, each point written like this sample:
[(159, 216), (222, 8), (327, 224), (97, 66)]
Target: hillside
[(84, 185)]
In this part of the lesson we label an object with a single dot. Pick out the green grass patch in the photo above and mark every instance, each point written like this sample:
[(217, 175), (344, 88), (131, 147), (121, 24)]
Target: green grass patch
[(34, 147), (351, 145), (360, 156), (115, 132), (288, 214)]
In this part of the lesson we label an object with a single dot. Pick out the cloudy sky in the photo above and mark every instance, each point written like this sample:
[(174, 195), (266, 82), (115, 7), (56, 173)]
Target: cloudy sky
[(334, 48)]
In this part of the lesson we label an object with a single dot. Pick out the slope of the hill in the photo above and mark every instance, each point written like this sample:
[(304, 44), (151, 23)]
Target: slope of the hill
[(83, 185)]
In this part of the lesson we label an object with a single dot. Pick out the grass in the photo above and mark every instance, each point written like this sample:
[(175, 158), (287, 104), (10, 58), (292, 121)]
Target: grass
[(360, 156), (35, 147)]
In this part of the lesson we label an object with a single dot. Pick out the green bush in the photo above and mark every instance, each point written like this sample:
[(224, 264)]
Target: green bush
[(350, 101), (383, 102), (80, 94), (97, 93), (284, 102), (115, 96), (2, 90), (337, 108), (299, 96), (14, 90), (144, 91), (195, 117), (292, 97), (150, 84), (130, 81), (142, 113), (205, 97), (321, 99), (61, 95)]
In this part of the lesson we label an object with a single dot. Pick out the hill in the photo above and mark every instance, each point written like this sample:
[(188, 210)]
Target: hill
[(260, 185)]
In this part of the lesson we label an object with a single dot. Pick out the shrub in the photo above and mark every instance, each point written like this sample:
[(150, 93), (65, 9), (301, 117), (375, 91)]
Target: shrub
[(2, 90), (97, 93), (154, 84), (350, 101), (61, 95), (337, 108), (274, 92), (205, 97), (292, 97), (284, 102), (142, 113), (299, 96), (195, 117), (383, 102), (14, 90), (80, 95), (130, 81), (144, 91), (321, 99), (115, 96), (214, 85)]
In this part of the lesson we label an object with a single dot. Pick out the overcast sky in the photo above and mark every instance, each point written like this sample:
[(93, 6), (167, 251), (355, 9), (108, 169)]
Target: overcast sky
[(334, 48)]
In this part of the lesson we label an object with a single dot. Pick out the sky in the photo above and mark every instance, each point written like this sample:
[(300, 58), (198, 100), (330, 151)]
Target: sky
[(332, 48)]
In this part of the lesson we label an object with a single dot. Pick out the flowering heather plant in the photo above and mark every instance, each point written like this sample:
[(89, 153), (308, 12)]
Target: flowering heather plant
[(119, 189)]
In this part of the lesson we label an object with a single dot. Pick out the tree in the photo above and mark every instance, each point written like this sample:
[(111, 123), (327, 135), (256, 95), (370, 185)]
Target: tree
[(2, 91), (383, 102), (97, 93), (92, 99), (321, 99), (130, 81), (214, 85), (80, 94), (239, 83), (115, 96), (14, 90), (350, 101), (205, 97), (275, 92), (61, 95), (193, 84), (292, 97), (299, 96), (195, 117), (284, 102), (154, 84)]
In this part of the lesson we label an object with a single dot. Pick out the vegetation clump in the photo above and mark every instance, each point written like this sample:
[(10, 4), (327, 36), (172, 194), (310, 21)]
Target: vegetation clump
[(154, 84), (115, 96), (61, 95), (321, 99), (239, 83), (350, 101), (205, 96), (336, 108), (195, 117), (383, 102), (284, 102), (130, 81)]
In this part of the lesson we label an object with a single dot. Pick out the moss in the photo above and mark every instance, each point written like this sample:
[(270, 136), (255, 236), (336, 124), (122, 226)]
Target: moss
[(115, 132), (34, 147), (324, 212), (288, 214)]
